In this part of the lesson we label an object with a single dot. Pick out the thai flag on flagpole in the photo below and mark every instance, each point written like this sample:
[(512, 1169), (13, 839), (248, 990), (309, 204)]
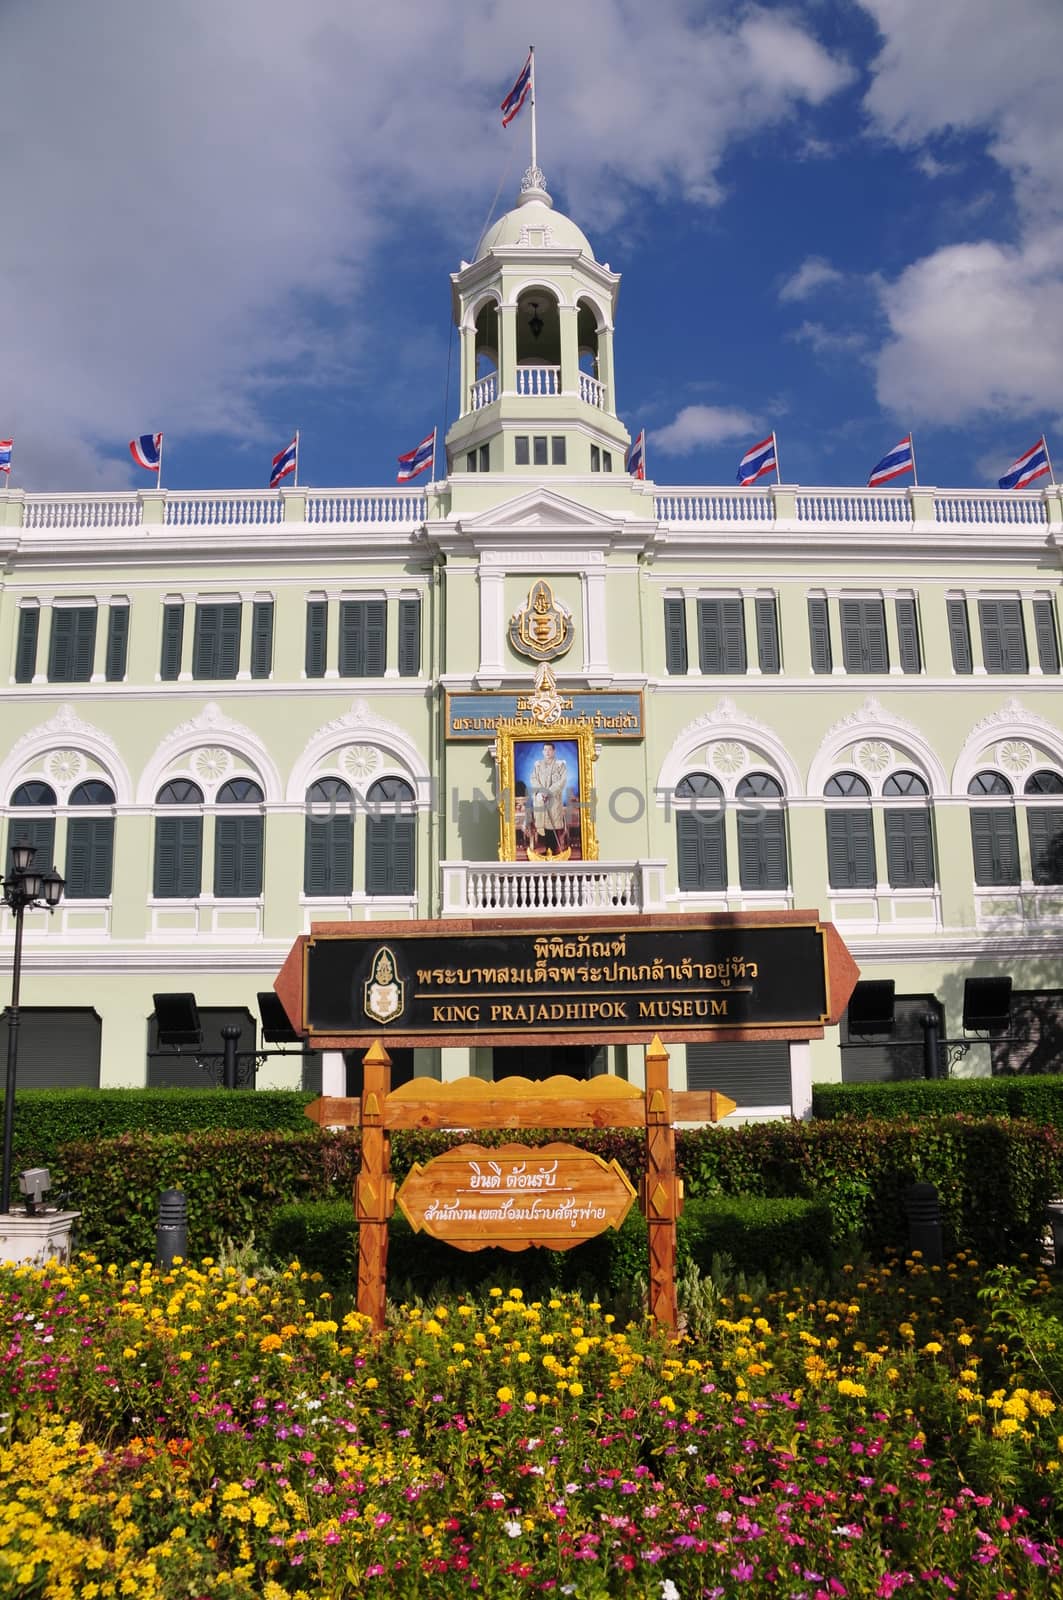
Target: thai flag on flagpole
[(900, 459), (147, 451), (415, 461), (1034, 464), (636, 456), (758, 460), (6, 447), (285, 461), (518, 94)]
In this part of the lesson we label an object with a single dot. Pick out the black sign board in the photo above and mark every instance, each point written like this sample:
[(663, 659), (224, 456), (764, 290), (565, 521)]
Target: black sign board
[(676, 977)]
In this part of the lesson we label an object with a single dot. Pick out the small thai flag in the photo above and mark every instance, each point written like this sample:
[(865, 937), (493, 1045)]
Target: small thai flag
[(285, 461), (6, 447), (900, 459), (1034, 464), (757, 461), (147, 451), (636, 456), (518, 94), (415, 461)]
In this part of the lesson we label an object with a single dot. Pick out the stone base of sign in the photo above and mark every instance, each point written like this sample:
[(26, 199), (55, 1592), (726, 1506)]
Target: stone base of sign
[(37, 1239)]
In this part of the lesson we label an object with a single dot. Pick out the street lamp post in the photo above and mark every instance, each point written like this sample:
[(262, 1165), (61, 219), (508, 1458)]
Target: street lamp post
[(24, 888)]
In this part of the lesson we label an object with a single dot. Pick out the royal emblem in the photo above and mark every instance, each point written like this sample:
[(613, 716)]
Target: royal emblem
[(542, 628), (385, 993)]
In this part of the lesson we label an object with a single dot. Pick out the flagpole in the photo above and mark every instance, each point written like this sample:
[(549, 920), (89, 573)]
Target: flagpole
[(915, 469), (295, 479), (534, 159), (1048, 458), (775, 448)]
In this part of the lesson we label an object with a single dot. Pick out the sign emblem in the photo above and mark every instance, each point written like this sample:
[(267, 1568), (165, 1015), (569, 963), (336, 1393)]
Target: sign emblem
[(385, 993), (542, 628)]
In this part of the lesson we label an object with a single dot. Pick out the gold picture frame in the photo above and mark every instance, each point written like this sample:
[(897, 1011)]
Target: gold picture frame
[(546, 792)]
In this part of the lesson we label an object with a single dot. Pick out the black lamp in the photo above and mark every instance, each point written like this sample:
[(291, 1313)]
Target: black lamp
[(535, 321)]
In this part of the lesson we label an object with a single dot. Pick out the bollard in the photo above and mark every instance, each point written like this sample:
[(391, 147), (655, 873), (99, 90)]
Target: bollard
[(924, 1222), (171, 1234), (230, 1041)]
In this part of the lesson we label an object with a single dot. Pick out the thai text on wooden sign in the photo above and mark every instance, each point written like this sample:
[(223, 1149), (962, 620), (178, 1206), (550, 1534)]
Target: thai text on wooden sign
[(515, 1196), (613, 713), (618, 979)]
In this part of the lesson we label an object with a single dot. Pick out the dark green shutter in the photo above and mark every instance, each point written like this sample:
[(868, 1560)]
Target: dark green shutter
[(1044, 618), (237, 857), (409, 638), (73, 644), (864, 636), (173, 627), (37, 831), (328, 855), (675, 636), (701, 848), (995, 845), (1003, 636), (60, 646), (262, 638), (316, 638), (29, 623), (767, 636), (850, 850), (216, 647), (376, 638), (762, 850), (959, 636), (389, 855), (89, 858), (909, 849), (908, 636), (117, 643), (178, 857), (819, 634), (722, 636), (229, 640), (1046, 843)]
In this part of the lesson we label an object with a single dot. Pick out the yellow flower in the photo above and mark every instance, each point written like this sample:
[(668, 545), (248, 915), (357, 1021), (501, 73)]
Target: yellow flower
[(575, 1390), (505, 1394)]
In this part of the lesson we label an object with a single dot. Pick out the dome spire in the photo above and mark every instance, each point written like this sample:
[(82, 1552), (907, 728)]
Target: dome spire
[(533, 187)]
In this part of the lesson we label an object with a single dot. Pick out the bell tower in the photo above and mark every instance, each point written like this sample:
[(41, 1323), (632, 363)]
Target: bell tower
[(535, 315)]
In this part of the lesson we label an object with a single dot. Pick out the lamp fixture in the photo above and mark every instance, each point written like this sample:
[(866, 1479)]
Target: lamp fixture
[(535, 321)]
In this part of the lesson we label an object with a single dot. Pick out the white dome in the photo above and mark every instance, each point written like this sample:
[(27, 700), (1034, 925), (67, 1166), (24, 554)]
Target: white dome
[(535, 224)]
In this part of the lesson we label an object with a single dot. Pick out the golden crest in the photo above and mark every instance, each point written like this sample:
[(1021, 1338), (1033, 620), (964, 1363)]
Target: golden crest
[(542, 628), (385, 992)]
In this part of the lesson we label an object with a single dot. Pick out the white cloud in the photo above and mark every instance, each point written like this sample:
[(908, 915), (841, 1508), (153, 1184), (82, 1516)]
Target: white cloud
[(829, 341), (699, 425), (813, 273), (202, 192), (931, 167)]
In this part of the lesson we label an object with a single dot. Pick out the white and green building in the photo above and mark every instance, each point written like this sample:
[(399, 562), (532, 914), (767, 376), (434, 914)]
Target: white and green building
[(227, 715)]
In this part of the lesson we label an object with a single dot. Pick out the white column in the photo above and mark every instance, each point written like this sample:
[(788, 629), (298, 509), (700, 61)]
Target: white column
[(492, 605), (595, 636), (333, 1074), (800, 1079)]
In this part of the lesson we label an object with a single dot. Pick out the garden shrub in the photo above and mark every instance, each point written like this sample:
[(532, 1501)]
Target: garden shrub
[(322, 1235), (757, 1234), (1036, 1097)]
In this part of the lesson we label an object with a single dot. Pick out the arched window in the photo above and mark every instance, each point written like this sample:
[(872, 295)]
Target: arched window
[(178, 871), (38, 830), (90, 841), (1045, 826), (909, 837), (238, 841), (390, 838), (850, 833), (994, 837), (762, 855), (328, 851), (701, 848)]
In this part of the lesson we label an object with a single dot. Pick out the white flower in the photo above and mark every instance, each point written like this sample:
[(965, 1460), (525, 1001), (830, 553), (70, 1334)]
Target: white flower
[(514, 1529), (669, 1590)]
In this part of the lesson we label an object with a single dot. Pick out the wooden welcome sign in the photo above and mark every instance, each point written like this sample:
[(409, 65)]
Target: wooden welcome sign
[(517, 1196)]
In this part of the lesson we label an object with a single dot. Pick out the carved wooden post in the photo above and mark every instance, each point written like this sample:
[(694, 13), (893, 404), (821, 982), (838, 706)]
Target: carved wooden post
[(661, 1189), (374, 1190)]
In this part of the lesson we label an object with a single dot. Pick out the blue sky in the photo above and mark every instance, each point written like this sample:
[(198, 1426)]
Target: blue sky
[(838, 218)]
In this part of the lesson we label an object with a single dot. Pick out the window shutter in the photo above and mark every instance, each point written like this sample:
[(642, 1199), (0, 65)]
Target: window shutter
[(864, 636), (750, 862), (39, 831), (352, 639), (178, 857), (767, 636), (173, 627), (229, 618), (328, 862), (675, 636), (959, 636), (316, 639), (702, 851), (117, 643), (1046, 843), (237, 856), (83, 643), (89, 858), (710, 636), (850, 850), (908, 635), (995, 846), (688, 858), (1044, 618), (261, 638), (409, 638), (404, 856), (205, 642), (29, 622), (1003, 637), (376, 638), (819, 633), (389, 855), (775, 866), (60, 645), (852, 635), (909, 849), (734, 636)]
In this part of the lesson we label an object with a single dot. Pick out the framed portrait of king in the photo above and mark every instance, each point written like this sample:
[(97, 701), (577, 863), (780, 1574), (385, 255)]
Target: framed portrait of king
[(546, 786)]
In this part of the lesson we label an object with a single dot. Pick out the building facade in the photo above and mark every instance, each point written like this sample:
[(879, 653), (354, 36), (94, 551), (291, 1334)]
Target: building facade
[(227, 715)]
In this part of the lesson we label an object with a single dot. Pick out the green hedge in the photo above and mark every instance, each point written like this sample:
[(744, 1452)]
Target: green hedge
[(1038, 1098), (758, 1235)]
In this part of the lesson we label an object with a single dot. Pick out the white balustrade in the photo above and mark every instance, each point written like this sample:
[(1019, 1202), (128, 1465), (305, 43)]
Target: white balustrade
[(522, 888), (853, 506), (484, 390), (222, 508), (719, 506), (379, 507), (82, 511), (592, 390), (980, 507), (538, 380)]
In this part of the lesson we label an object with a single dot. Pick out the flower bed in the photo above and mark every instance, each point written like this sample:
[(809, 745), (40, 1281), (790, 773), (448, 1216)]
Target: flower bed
[(211, 1435)]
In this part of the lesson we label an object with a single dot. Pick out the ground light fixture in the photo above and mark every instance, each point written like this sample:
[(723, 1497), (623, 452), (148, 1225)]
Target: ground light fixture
[(26, 888)]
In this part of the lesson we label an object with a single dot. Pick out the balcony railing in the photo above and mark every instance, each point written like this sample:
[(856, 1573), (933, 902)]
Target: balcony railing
[(538, 380), (484, 390), (592, 390), (566, 888)]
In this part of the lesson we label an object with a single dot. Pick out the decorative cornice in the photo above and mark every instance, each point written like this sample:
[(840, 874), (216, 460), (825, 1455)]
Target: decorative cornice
[(66, 725), (871, 714)]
